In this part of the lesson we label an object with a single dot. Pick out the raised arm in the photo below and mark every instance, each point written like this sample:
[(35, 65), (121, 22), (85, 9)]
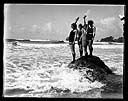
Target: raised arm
[(76, 20), (84, 20)]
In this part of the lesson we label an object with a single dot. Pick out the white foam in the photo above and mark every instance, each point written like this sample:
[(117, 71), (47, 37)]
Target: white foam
[(40, 45), (108, 46), (70, 79), (44, 72)]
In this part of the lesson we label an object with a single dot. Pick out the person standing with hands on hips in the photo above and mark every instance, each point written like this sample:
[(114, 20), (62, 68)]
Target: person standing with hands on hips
[(72, 38)]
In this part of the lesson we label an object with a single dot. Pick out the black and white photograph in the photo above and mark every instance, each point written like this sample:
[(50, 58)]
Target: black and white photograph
[(63, 50)]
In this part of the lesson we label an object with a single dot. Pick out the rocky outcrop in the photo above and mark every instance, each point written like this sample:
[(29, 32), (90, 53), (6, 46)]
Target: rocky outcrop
[(92, 67)]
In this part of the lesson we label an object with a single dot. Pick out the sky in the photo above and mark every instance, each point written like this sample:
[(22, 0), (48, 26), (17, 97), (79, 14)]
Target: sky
[(53, 21)]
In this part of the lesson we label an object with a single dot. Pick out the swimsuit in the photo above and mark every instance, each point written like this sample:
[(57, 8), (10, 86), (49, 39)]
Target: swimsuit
[(71, 40), (89, 33), (79, 35), (71, 36)]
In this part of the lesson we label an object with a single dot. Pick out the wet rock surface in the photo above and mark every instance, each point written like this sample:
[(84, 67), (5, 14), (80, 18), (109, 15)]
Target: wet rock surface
[(95, 69)]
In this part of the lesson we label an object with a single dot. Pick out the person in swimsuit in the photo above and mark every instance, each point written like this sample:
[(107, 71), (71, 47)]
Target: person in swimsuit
[(90, 34), (84, 44), (79, 34), (72, 38), (83, 37)]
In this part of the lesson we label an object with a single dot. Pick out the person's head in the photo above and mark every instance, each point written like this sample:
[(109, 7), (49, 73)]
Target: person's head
[(80, 26), (73, 26), (90, 22)]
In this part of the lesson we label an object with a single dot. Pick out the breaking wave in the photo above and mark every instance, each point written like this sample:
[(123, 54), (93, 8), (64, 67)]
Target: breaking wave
[(41, 71)]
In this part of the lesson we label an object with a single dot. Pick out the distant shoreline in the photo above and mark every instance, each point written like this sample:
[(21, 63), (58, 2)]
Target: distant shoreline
[(34, 41), (58, 42)]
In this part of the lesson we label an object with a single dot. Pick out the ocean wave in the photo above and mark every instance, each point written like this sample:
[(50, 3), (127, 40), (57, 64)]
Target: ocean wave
[(42, 69), (43, 80)]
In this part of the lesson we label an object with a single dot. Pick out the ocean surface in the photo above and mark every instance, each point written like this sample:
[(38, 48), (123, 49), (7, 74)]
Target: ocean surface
[(40, 70)]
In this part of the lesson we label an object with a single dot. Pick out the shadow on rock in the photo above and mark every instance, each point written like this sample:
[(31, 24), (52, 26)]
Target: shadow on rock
[(95, 69), (92, 65)]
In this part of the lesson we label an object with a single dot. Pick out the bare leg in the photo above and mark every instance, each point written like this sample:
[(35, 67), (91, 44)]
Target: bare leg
[(85, 50), (80, 50), (90, 47), (73, 51)]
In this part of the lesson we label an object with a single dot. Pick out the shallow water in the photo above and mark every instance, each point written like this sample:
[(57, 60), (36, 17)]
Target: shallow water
[(40, 70)]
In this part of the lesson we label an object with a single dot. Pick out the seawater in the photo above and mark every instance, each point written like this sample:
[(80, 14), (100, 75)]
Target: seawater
[(40, 70)]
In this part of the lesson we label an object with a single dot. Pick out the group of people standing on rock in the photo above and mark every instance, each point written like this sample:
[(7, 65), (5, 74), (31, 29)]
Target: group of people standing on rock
[(84, 34)]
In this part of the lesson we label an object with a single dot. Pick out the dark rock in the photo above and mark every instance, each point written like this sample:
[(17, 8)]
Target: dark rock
[(58, 90), (93, 67)]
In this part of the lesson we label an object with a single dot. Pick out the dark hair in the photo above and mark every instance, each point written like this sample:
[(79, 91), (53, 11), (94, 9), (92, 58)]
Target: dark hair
[(80, 25), (90, 22), (74, 25)]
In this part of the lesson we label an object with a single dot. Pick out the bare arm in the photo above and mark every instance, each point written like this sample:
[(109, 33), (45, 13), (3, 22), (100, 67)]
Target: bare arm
[(84, 20), (83, 32), (94, 32), (76, 20), (76, 31)]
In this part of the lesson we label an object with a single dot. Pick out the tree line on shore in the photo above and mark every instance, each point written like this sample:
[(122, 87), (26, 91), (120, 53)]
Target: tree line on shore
[(107, 39), (111, 39)]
